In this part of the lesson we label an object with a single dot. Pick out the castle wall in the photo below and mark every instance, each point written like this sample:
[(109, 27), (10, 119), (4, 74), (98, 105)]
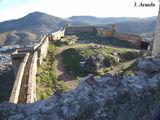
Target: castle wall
[(156, 42), (31, 93), (80, 29), (134, 39), (105, 33), (42, 50), (18, 80), (16, 61), (57, 35)]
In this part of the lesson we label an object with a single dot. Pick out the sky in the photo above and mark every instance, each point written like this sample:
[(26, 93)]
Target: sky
[(13, 9)]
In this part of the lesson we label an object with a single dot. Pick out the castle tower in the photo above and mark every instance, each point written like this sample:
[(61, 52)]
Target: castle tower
[(156, 42)]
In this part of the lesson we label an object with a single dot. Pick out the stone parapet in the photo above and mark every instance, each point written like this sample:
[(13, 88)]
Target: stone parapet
[(31, 93), (18, 80)]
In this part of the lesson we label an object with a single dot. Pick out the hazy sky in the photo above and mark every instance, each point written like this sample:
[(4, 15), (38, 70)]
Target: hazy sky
[(12, 9)]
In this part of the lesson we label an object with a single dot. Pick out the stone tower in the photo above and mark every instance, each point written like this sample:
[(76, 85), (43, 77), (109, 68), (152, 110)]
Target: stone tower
[(156, 43)]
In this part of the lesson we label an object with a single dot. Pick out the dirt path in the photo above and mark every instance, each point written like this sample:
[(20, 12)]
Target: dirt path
[(59, 69)]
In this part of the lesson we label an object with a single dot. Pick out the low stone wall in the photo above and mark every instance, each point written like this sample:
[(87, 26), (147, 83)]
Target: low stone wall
[(31, 94), (18, 80), (134, 39)]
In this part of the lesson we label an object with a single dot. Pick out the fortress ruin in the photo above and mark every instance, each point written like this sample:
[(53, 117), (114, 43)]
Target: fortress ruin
[(133, 97)]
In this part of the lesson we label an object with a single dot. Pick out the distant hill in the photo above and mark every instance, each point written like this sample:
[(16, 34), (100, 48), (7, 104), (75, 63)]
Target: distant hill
[(124, 24), (18, 38), (96, 20), (37, 23), (138, 27)]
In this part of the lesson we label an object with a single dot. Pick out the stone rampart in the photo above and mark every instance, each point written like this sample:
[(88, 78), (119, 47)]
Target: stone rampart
[(18, 80), (42, 50), (31, 94), (105, 33), (57, 35), (72, 30), (19, 60), (134, 39)]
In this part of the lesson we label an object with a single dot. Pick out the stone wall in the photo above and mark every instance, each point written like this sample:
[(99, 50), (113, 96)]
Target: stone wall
[(156, 43), (17, 59), (105, 33), (80, 29), (57, 35), (134, 39), (135, 97), (42, 50), (31, 94), (18, 80)]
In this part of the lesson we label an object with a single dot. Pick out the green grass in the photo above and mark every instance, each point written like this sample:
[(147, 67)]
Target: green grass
[(72, 57), (106, 40), (47, 81), (130, 69)]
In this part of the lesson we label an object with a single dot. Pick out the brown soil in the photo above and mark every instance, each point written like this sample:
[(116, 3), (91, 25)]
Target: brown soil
[(59, 69)]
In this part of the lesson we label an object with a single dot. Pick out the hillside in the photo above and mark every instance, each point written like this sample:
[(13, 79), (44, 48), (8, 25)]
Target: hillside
[(18, 38), (138, 27), (96, 20), (125, 24), (38, 23)]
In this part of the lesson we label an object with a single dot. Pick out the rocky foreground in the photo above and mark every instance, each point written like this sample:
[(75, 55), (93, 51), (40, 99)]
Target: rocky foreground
[(130, 98)]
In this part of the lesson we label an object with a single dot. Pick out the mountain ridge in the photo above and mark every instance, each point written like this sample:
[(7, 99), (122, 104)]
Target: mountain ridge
[(39, 23)]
